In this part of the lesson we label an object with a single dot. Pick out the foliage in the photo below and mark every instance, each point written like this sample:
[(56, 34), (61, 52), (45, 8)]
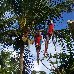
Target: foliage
[(66, 59), (8, 64), (27, 12), (36, 10)]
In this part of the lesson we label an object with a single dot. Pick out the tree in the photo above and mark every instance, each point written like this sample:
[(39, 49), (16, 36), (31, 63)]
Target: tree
[(26, 12), (8, 64), (66, 60), (71, 27)]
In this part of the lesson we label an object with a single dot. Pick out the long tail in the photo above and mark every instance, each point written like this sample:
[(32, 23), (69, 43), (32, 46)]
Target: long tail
[(38, 57), (46, 47)]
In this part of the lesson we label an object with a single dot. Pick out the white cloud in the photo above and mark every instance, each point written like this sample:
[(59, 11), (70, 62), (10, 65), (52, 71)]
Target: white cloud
[(51, 49), (40, 67), (36, 66)]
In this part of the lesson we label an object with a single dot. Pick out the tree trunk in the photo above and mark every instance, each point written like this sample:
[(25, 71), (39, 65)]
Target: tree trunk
[(21, 58), (71, 27)]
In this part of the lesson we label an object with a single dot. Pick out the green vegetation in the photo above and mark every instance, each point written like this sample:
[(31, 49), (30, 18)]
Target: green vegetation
[(27, 12)]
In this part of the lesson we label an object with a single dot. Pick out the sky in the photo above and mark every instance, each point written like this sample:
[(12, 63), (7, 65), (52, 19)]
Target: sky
[(61, 24), (51, 48)]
